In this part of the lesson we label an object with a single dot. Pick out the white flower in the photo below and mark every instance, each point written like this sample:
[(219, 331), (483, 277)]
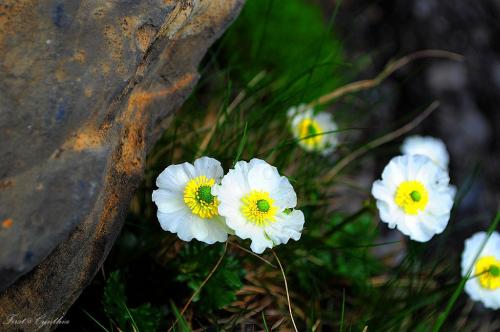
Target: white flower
[(258, 205), (484, 282), (185, 202), (316, 127), (431, 147), (414, 195)]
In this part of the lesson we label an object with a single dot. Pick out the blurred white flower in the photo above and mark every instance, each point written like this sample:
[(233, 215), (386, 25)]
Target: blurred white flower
[(414, 195), (431, 147), (316, 127), (484, 282), (185, 202), (258, 205)]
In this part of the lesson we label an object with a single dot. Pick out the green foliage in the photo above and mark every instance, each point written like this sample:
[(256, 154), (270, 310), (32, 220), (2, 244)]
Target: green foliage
[(291, 41), (114, 299), (354, 260), (144, 318), (196, 262)]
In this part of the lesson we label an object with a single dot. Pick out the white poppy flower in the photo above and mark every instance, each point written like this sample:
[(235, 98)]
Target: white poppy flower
[(185, 202), (484, 282), (316, 127), (414, 195), (258, 204), (431, 147)]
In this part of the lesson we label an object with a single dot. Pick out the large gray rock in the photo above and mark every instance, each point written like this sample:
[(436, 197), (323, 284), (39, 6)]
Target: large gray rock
[(84, 89)]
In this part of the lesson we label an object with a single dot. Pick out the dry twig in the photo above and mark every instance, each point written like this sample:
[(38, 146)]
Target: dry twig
[(390, 68), (286, 289), (379, 141)]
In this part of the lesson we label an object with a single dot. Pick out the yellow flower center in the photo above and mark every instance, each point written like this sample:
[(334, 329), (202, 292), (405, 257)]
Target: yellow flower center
[(310, 127), (487, 270), (258, 207), (198, 197), (412, 197)]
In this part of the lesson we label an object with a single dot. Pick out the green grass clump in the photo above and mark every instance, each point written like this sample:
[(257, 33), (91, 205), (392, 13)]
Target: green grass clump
[(290, 41), (275, 56)]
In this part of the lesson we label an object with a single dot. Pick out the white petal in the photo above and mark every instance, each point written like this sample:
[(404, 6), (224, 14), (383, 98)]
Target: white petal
[(284, 195), (394, 173), (299, 114), (260, 243), (471, 249), (385, 213), (431, 147), (437, 223), (233, 187), (262, 176), (218, 230), (199, 228), (236, 179), (175, 177), (325, 121), (415, 163), (299, 110), (175, 222), (209, 167), (406, 224), (382, 192), (241, 227), (287, 226), (168, 201), (427, 172), (184, 229), (439, 203)]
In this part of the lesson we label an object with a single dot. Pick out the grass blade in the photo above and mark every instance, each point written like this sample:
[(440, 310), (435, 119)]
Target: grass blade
[(241, 146), (95, 321)]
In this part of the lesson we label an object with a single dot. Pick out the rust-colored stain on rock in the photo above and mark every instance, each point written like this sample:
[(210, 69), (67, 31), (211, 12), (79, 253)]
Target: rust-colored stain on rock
[(84, 140), (140, 99), (6, 184), (87, 92), (132, 147), (115, 46), (7, 223), (79, 56), (12, 12), (145, 36)]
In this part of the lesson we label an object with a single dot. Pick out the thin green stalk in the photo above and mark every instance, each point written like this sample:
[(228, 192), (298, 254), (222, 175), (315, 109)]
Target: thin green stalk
[(95, 320), (342, 311), (264, 321), (241, 146)]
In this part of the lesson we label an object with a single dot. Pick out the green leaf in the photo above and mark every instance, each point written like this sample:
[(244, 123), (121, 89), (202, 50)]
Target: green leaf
[(144, 318), (114, 299), (220, 290)]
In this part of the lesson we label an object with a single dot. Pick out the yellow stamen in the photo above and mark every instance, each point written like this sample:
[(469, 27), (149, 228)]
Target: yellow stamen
[(412, 197), (258, 207), (310, 127), (487, 270), (198, 197)]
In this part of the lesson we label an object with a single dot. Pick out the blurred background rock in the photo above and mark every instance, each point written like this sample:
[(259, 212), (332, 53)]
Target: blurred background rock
[(468, 119)]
